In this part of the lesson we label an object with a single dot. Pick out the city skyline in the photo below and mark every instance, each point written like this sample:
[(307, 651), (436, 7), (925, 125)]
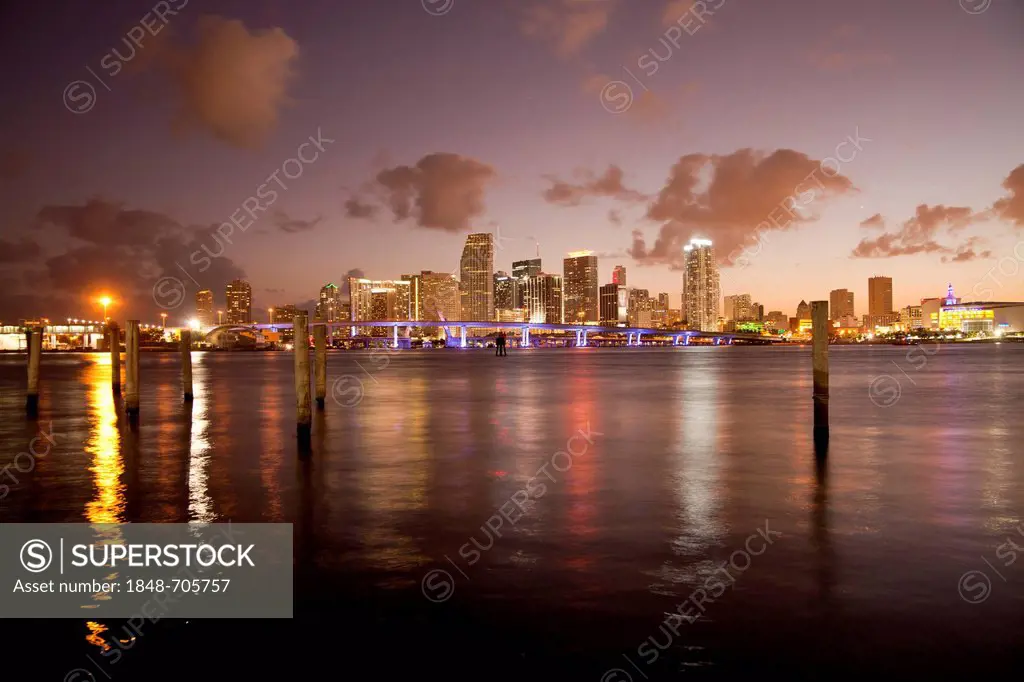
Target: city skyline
[(559, 147)]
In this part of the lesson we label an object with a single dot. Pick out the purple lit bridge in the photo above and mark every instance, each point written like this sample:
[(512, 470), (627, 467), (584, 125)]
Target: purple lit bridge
[(633, 336)]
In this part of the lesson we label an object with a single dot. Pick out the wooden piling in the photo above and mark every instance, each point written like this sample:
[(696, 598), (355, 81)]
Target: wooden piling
[(820, 331), (114, 336), (303, 408), (34, 346), (320, 364), (186, 364), (131, 369)]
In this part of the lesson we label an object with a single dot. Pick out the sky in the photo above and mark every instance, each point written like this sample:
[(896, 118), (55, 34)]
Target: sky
[(149, 149)]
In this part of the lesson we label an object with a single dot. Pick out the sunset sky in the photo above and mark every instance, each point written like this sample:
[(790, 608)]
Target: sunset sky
[(554, 120)]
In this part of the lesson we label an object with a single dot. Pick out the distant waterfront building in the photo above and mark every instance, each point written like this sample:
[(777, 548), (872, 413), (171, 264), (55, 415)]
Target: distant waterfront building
[(614, 305), (639, 308), (204, 308), (239, 299), (379, 299), (434, 296), (619, 275), (879, 296), (504, 292), (701, 294), (579, 288), (543, 299), (521, 270), (911, 317), (803, 310), (840, 304), (738, 308), (757, 312), (476, 278), (328, 307), (778, 320)]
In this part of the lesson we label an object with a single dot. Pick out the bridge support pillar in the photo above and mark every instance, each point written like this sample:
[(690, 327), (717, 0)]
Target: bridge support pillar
[(629, 339), (525, 339), (675, 340), (638, 334), (394, 342), (114, 334), (686, 340), (579, 337), (462, 343), (584, 337)]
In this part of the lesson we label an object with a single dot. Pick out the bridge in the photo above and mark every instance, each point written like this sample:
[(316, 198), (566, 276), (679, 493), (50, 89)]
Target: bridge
[(633, 335)]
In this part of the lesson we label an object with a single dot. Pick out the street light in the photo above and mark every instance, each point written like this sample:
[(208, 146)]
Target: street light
[(105, 301)]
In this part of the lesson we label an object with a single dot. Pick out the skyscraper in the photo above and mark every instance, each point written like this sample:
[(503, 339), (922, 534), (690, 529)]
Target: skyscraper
[(504, 291), (379, 299), (738, 308), (639, 308), (840, 304), (204, 308), (614, 304), (879, 296), (328, 307), (580, 287), (543, 299), (619, 275), (803, 310), (476, 285), (239, 298), (701, 293)]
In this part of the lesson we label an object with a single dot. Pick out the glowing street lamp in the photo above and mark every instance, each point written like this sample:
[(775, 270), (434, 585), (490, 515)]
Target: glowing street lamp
[(193, 324), (105, 301)]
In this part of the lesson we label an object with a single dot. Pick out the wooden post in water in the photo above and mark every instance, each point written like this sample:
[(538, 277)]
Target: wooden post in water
[(820, 331), (303, 408), (114, 335), (34, 346), (186, 364), (320, 363), (131, 369)]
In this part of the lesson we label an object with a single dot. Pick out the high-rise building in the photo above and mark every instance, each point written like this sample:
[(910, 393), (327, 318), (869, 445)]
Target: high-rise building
[(778, 320), (738, 308), (757, 312), (476, 279), (701, 286), (911, 317), (239, 298), (379, 299), (204, 308), (614, 305), (504, 292), (619, 275), (840, 304), (879, 296), (433, 296), (580, 288), (639, 308), (543, 299), (328, 307), (803, 310), (521, 269)]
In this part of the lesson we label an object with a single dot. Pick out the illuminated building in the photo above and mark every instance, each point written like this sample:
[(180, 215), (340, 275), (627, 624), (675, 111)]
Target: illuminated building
[(239, 298), (204, 308), (476, 278), (840, 304), (543, 299), (378, 299), (911, 317), (738, 307), (580, 289), (701, 286), (638, 313), (285, 314), (504, 293), (879, 296), (328, 308), (776, 319), (614, 304), (803, 311), (619, 275)]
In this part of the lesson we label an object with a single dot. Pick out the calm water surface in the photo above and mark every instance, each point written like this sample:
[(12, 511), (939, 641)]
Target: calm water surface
[(689, 453)]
